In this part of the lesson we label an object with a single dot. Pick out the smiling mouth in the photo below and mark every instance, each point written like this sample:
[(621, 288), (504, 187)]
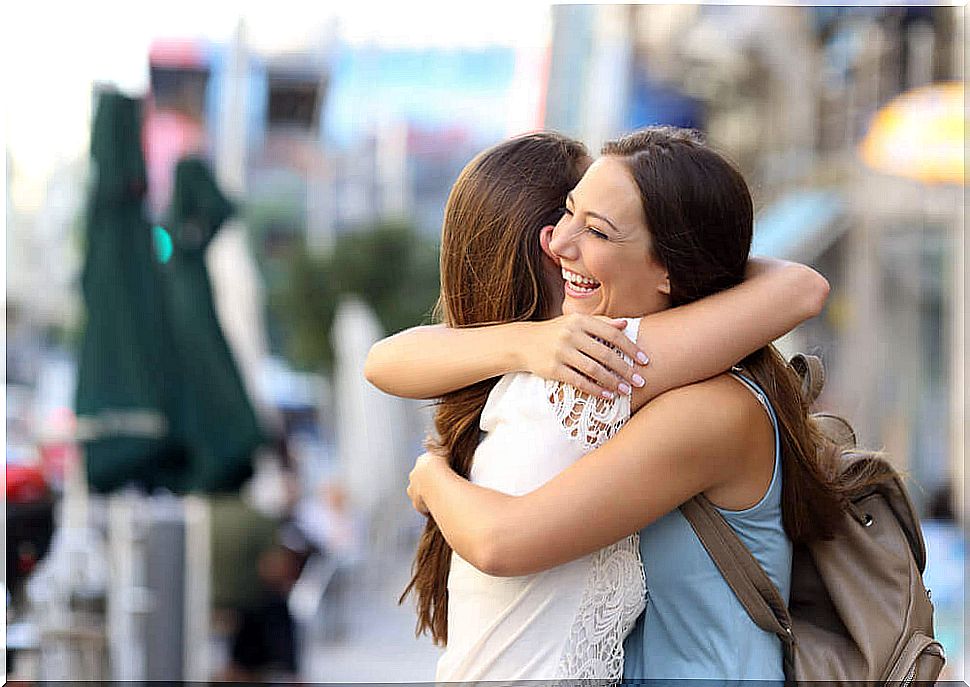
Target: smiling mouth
[(578, 285)]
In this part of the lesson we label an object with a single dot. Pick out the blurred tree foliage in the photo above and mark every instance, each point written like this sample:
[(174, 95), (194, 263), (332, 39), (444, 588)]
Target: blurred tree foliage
[(390, 267)]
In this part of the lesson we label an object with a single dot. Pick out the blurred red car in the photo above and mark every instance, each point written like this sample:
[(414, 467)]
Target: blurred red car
[(30, 523)]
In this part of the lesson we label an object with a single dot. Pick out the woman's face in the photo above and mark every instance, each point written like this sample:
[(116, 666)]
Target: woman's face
[(551, 271), (604, 247)]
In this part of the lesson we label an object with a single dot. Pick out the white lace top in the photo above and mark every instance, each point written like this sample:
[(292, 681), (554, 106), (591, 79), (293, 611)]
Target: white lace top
[(566, 622)]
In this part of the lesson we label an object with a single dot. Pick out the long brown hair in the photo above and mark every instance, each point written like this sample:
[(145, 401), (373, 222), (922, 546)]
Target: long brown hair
[(699, 214), (491, 272)]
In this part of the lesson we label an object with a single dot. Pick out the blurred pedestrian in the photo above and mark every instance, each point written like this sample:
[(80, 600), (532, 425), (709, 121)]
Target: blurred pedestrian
[(257, 557)]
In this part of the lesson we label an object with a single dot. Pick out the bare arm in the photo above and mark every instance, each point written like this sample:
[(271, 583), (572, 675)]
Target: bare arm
[(424, 362), (684, 345), (686, 442), (706, 337)]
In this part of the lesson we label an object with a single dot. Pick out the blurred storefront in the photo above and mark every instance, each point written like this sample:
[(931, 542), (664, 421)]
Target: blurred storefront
[(910, 200)]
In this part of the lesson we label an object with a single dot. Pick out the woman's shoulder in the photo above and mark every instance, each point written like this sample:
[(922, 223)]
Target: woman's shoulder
[(517, 395), (721, 409), (723, 393)]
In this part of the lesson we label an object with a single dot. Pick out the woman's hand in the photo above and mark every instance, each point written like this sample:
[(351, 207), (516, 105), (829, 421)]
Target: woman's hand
[(429, 361), (425, 462), (571, 349)]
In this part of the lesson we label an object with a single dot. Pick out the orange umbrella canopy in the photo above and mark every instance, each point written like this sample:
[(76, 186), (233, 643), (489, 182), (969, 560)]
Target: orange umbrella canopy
[(919, 135)]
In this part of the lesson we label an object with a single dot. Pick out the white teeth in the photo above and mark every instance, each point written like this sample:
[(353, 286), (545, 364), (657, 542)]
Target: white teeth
[(577, 279)]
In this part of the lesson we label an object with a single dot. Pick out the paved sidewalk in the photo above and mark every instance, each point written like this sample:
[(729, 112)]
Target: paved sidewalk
[(378, 644)]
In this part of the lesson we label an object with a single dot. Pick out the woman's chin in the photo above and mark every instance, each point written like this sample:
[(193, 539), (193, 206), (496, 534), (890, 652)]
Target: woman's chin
[(584, 306), (595, 306), (581, 301)]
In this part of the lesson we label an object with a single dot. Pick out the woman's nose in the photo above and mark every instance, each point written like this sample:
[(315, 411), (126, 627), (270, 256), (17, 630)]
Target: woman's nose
[(562, 242)]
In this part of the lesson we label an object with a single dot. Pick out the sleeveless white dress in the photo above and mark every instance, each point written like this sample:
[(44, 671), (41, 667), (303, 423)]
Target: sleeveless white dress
[(566, 622)]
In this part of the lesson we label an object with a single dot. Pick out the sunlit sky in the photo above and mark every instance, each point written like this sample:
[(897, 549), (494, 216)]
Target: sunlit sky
[(53, 52)]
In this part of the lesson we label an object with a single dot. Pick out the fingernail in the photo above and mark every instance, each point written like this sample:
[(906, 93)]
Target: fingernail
[(608, 394), (642, 357), (625, 388), (638, 380)]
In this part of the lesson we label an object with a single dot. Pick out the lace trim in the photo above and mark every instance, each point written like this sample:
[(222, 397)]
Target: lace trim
[(614, 597), (588, 419), (615, 591)]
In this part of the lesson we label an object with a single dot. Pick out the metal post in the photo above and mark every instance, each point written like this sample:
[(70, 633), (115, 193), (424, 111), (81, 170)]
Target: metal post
[(165, 572), (198, 595), (127, 597)]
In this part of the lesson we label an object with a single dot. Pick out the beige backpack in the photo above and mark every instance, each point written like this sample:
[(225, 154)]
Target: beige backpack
[(858, 609)]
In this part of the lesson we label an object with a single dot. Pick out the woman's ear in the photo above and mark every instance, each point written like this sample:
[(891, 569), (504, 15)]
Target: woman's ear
[(545, 236), (664, 287)]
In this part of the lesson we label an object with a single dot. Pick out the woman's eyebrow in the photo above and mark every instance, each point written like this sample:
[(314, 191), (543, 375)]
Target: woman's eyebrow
[(604, 218), (591, 213)]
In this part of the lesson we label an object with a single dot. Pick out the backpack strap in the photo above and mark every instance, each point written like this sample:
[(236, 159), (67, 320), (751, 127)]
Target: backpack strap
[(810, 370), (740, 569)]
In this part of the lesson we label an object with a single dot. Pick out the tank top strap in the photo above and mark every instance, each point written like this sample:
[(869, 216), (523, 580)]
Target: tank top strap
[(738, 373)]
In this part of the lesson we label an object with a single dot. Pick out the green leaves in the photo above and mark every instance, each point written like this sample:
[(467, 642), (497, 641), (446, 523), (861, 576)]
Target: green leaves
[(391, 267)]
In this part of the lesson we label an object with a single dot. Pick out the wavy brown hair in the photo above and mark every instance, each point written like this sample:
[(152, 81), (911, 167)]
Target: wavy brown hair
[(699, 214), (491, 272)]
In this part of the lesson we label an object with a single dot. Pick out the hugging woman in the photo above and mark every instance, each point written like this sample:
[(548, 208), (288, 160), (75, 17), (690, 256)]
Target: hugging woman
[(550, 519)]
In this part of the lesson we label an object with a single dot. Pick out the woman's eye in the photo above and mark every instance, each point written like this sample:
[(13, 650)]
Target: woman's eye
[(566, 212), (596, 232)]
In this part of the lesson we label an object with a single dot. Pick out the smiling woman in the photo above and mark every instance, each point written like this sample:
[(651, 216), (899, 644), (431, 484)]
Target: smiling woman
[(604, 248)]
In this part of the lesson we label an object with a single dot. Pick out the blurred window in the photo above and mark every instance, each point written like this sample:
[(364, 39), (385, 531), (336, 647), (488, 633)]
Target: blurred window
[(180, 88), (293, 103)]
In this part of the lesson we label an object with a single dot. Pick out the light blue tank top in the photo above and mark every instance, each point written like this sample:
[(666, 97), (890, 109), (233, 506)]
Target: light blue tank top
[(694, 626)]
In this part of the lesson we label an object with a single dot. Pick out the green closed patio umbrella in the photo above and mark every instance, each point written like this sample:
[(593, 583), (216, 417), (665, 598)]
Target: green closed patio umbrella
[(160, 402), (124, 377), (212, 414)]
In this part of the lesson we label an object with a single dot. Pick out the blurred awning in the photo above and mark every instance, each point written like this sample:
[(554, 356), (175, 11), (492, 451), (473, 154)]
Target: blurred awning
[(919, 135), (799, 226)]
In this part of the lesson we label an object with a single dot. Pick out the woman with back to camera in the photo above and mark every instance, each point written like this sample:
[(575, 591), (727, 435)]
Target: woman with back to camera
[(743, 439), (492, 271)]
